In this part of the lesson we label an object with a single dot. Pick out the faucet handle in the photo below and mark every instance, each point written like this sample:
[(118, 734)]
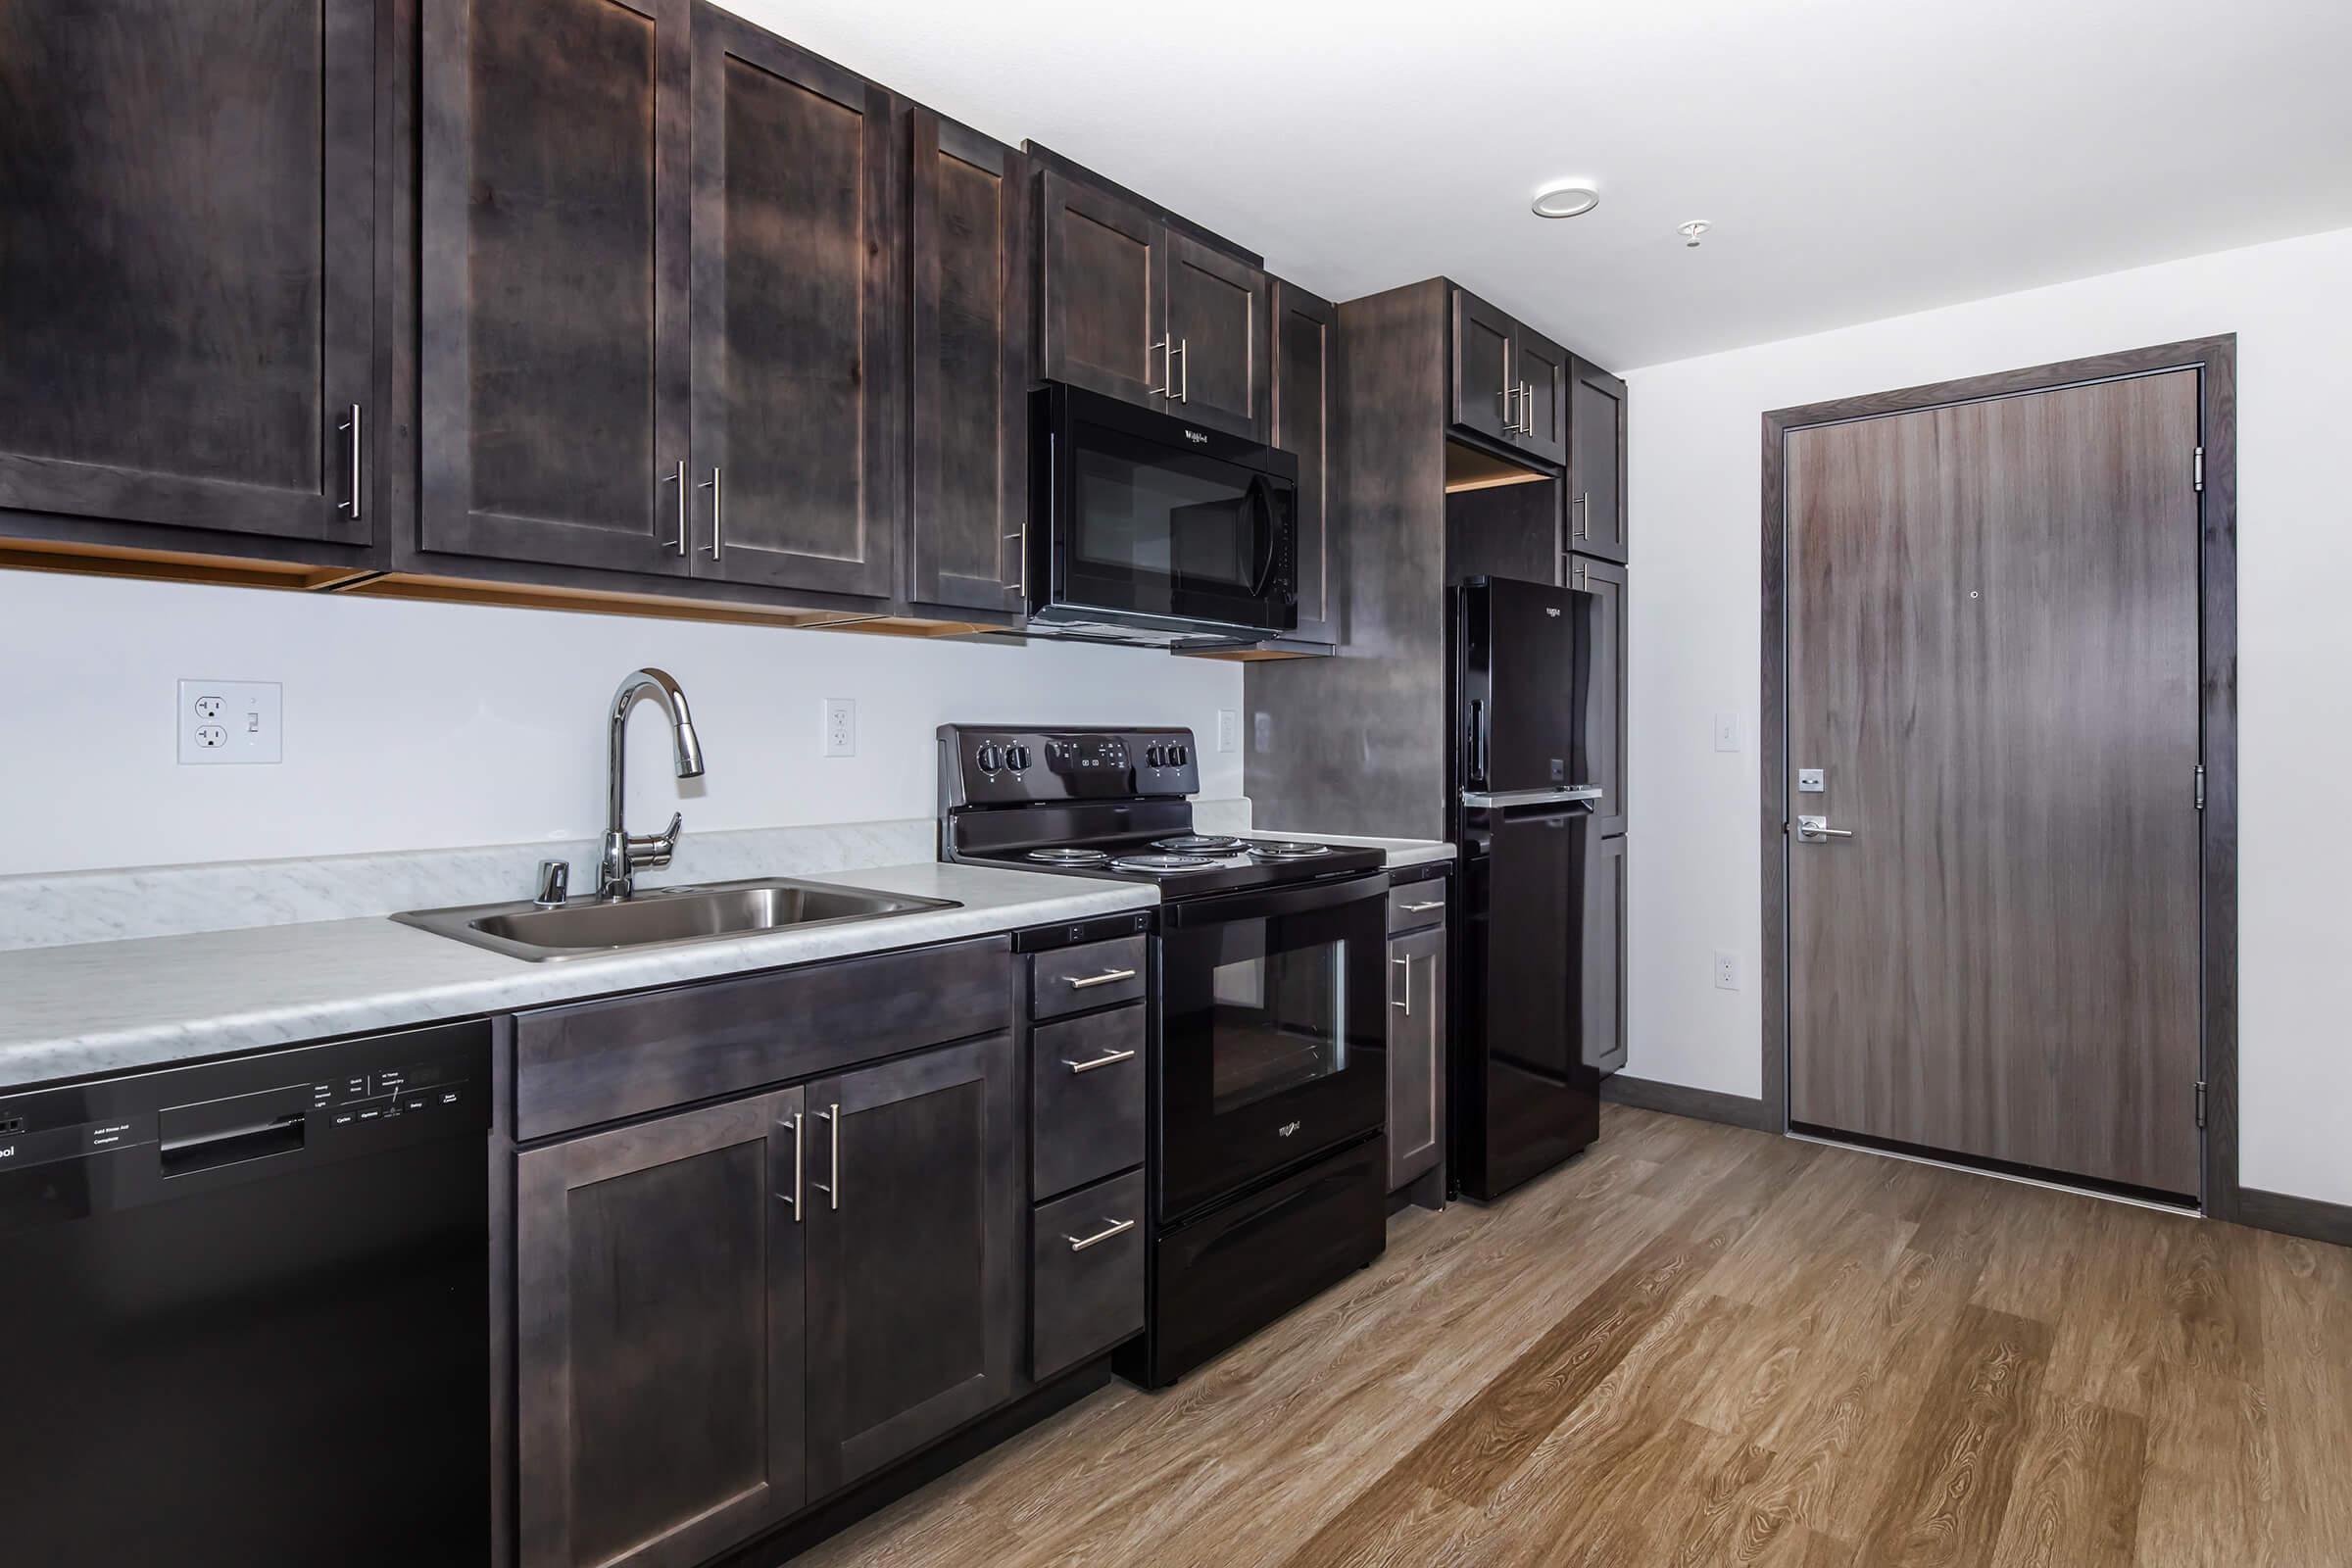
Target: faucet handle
[(656, 849), (554, 881)]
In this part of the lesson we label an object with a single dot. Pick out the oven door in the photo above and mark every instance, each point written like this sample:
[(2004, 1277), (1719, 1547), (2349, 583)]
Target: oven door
[(1273, 1035), (1145, 524)]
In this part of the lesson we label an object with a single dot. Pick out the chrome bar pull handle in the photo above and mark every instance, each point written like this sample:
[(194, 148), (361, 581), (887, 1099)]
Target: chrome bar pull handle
[(717, 512), (1106, 978), (358, 472), (1109, 1059), (1583, 518), (1817, 830), (1424, 907), (1165, 349), (794, 1196), (1116, 1227), (1510, 421), (1184, 352), (679, 479), (1407, 964), (1527, 408), (831, 1184)]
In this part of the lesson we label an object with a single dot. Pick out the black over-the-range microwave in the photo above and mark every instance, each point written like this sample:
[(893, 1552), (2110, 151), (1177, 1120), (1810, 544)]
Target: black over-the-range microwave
[(1144, 527)]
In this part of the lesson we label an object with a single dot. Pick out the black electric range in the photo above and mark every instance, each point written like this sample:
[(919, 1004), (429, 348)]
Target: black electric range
[(1268, 1087)]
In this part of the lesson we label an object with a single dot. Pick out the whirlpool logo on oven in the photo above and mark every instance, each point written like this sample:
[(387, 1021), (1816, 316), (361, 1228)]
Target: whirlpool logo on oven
[(1285, 1129)]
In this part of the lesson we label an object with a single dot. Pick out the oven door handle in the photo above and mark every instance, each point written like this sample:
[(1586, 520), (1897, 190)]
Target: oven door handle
[(1286, 901)]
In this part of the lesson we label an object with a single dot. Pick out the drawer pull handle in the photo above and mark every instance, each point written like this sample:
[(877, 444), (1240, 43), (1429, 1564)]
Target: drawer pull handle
[(1425, 908), (1108, 1059), (1117, 1227), (1106, 978)]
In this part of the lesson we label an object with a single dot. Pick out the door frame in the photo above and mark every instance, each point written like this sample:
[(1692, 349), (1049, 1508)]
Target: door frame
[(2215, 359)]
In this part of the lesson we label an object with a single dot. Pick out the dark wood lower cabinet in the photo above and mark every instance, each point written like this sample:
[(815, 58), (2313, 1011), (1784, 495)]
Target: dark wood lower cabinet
[(914, 1252), (660, 1301), (1417, 1049)]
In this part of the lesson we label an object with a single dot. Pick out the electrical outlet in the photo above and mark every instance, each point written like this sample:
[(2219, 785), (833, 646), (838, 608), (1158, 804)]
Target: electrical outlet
[(1261, 731), (1727, 732), (841, 728), (1229, 729), (229, 722), (1727, 969)]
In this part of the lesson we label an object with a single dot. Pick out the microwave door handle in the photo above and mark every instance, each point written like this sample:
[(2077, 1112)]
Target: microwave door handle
[(1268, 536)]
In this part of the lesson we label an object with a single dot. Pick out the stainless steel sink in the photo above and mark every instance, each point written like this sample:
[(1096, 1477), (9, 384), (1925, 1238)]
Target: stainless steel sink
[(663, 917)]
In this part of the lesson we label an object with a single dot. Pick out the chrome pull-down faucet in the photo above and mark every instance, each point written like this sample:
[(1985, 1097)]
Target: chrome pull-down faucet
[(623, 854)]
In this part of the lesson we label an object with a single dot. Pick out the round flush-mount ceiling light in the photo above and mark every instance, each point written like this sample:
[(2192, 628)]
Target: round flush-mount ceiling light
[(1570, 198)]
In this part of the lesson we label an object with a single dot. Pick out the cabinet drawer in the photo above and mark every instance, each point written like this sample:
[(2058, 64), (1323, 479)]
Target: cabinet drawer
[(1087, 1095), (598, 1060), (1088, 1252), (1097, 975), (1416, 905)]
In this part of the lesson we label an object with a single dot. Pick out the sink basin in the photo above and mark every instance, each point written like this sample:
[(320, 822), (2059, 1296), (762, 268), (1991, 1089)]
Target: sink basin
[(663, 917)]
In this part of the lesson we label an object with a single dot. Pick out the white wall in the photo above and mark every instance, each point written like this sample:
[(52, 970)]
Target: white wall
[(1696, 472), (417, 726)]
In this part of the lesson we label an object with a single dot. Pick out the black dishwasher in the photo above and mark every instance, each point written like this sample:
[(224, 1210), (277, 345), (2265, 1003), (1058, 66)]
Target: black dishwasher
[(244, 1310)]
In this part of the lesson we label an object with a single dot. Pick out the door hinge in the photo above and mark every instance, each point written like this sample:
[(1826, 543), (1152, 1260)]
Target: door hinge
[(2200, 786), (2199, 468), (2200, 1101)]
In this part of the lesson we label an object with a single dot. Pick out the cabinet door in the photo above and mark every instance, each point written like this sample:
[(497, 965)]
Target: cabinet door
[(1219, 327), (798, 385), (1485, 396), (971, 245), (1544, 398), (1416, 1054), (187, 263), (1306, 374), (1604, 695), (552, 368), (1602, 971), (1106, 293), (1596, 501), (914, 1253), (660, 1293)]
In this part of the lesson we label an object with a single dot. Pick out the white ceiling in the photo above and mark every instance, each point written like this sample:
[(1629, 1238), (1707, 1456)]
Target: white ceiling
[(1858, 158)]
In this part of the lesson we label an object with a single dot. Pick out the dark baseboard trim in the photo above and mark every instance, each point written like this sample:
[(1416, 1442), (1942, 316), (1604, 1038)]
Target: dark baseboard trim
[(1678, 1100), (2313, 1218)]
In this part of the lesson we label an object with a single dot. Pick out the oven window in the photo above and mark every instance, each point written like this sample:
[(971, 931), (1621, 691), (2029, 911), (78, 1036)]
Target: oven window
[(1280, 1021)]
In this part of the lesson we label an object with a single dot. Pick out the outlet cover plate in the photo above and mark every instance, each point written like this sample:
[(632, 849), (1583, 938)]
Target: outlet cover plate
[(225, 722), (840, 735)]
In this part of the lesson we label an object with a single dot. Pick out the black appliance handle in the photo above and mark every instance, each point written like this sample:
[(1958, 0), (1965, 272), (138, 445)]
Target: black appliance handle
[(1269, 544), (1478, 737), (1266, 906), (279, 1135)]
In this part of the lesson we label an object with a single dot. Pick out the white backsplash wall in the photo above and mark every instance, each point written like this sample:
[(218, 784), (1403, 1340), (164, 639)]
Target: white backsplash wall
[(413, 725)]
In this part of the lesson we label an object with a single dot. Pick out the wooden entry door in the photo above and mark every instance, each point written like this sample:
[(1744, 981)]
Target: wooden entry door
[(1992, 629)]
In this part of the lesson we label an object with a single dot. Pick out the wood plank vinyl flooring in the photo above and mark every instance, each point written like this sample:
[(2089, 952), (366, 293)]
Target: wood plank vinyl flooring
[(1697, 1345)]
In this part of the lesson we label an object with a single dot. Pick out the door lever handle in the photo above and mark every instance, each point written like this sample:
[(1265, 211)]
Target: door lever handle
[(1817, 830)]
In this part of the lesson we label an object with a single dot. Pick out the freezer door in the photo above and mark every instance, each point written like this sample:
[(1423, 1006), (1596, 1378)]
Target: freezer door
[(1524, 663)]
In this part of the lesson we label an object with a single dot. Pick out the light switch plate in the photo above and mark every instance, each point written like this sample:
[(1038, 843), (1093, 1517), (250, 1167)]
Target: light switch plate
[(1727, 732), (223, 722), (1229, 729)]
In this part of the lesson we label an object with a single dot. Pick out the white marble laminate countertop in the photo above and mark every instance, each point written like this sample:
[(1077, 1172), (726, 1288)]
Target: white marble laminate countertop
[(110, 1007), (1401, 852)]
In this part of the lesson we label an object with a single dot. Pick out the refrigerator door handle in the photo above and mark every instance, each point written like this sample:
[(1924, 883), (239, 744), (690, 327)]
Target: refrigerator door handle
[(1488, 800), (1478, 738)]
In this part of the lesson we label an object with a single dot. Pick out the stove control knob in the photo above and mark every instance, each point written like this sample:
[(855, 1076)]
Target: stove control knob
[(1017, 759), (1153, 757), (990, 759), (1176, 757)]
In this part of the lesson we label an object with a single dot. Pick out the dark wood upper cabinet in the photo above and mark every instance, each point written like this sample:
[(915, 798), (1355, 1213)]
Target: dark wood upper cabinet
[(555, 366), (660, 1300), (1543, 371), (1304, 422), (1596, 496), (1485, 386), (1217, 323), (914, 1253), (972, 247), (1105, 292), (187, 252), (797, 303)]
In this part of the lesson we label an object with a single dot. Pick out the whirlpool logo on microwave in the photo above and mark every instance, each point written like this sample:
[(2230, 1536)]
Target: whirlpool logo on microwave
[(1195, 437), (1285, 1129)]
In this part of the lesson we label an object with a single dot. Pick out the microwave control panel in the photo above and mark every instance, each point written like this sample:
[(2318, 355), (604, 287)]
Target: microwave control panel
[(992, 765)]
